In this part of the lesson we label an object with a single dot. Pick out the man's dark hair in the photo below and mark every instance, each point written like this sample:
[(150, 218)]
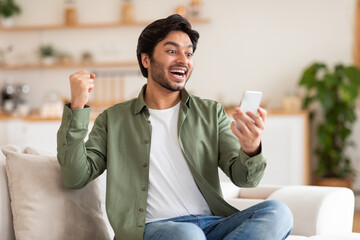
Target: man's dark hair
[(157, 31)]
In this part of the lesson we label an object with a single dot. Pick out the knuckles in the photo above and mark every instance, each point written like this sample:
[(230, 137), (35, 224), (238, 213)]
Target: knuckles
[(257, 134), (77, 81)]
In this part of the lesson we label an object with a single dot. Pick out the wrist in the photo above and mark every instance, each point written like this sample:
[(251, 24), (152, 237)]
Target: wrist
[(252, 152), (76, 106)]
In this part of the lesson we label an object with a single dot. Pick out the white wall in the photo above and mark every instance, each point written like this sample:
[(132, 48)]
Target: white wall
[(249, 44), (266, 44)]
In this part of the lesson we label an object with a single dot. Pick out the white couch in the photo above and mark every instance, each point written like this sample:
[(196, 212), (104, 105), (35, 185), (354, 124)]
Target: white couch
[(319, 212)]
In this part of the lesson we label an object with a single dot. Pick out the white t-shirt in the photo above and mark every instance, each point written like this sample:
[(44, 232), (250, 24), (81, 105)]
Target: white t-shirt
[(172, 189)]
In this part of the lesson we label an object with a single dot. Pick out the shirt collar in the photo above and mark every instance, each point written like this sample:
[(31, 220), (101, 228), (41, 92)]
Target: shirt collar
[(140, 102)]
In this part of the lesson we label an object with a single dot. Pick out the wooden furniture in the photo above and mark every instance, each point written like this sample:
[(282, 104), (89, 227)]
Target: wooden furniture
[(91, 25), (36, 66), (286, 147), (40, 28)]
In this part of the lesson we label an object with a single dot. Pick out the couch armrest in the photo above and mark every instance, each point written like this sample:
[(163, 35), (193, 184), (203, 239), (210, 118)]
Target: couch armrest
[(6, 223), (259, 192), (318, 210), (230, 191)]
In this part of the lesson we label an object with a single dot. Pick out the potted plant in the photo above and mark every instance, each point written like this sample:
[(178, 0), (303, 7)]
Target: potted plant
[(335, 91), (47, 54), (8, 9)]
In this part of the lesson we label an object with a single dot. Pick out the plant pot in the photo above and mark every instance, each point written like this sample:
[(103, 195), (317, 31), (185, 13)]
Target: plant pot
[(47, 61), (7, 22), (334, 182)]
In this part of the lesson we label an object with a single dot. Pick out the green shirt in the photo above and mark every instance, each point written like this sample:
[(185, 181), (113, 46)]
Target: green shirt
[(120, 143)]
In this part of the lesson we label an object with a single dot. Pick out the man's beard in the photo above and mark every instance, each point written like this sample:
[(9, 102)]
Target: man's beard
[(158, 74)]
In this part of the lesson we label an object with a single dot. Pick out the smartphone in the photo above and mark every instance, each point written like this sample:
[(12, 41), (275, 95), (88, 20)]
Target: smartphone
[(250, 102)]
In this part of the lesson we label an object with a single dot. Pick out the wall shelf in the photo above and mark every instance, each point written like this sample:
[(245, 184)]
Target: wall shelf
[(55, 27), (91, 25), (38, 66)]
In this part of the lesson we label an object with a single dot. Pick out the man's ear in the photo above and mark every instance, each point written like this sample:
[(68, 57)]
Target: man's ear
[(145, 60)]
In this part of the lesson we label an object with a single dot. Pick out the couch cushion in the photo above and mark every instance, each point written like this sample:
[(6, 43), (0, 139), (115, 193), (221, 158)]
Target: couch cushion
[(101, 181), (43, 208)]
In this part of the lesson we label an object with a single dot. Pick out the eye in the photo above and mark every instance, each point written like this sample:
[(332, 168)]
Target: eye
[(189, 54), (171, 51)]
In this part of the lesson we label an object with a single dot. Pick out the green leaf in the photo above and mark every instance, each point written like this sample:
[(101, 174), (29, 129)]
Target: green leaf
[(353, 74), (307, 101), (330, 80), (327, 100), (310, 75), (348, 93), (9, 8)]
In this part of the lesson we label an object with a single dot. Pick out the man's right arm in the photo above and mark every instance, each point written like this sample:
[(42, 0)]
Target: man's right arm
[(80, 163)]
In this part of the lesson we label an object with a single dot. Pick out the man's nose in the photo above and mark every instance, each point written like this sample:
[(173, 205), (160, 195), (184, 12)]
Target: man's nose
[(182, 58)]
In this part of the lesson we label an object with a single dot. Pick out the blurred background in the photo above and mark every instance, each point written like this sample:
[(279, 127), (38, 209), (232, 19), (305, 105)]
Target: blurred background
[(244, 45)]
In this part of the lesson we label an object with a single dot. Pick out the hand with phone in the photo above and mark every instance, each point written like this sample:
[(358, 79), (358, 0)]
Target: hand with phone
[(249, 122)]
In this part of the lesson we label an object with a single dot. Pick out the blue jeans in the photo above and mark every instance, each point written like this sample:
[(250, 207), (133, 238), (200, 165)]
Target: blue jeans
[(268, 220)]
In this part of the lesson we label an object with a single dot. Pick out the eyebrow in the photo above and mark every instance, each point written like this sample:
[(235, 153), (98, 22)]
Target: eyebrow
[(177, 45)]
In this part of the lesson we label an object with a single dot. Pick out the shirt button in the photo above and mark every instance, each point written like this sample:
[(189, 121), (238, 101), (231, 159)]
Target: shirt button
[(146, 141), (64, 145), (141, 210), (69, 117), (140, 226), (145, 165), (249, 163), (143, 189)]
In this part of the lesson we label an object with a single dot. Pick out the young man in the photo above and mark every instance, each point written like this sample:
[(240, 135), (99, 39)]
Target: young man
[(162, 151)]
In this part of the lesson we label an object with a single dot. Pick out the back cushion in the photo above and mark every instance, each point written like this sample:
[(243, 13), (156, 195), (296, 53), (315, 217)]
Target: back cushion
[(43, 208)]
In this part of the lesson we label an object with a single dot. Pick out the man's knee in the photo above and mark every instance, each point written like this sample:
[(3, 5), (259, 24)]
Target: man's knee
[(174, 230), (282, 215), (281, 209)]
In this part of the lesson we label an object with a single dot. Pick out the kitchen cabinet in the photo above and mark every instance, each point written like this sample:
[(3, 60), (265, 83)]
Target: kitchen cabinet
[(286, 147), (40, 134)]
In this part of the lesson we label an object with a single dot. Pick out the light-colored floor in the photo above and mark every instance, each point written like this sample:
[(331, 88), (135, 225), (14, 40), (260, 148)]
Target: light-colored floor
[(356, 225)]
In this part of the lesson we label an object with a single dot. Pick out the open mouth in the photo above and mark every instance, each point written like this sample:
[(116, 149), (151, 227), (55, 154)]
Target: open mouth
[(179, 74)]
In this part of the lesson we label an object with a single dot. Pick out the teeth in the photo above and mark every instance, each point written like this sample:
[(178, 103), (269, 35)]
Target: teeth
[(178, 71)]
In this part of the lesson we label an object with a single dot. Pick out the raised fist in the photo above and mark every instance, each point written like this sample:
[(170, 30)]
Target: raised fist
[(81, 84)]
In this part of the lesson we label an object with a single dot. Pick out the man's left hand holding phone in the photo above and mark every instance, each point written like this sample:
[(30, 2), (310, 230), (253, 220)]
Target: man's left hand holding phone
[(248, 128)]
